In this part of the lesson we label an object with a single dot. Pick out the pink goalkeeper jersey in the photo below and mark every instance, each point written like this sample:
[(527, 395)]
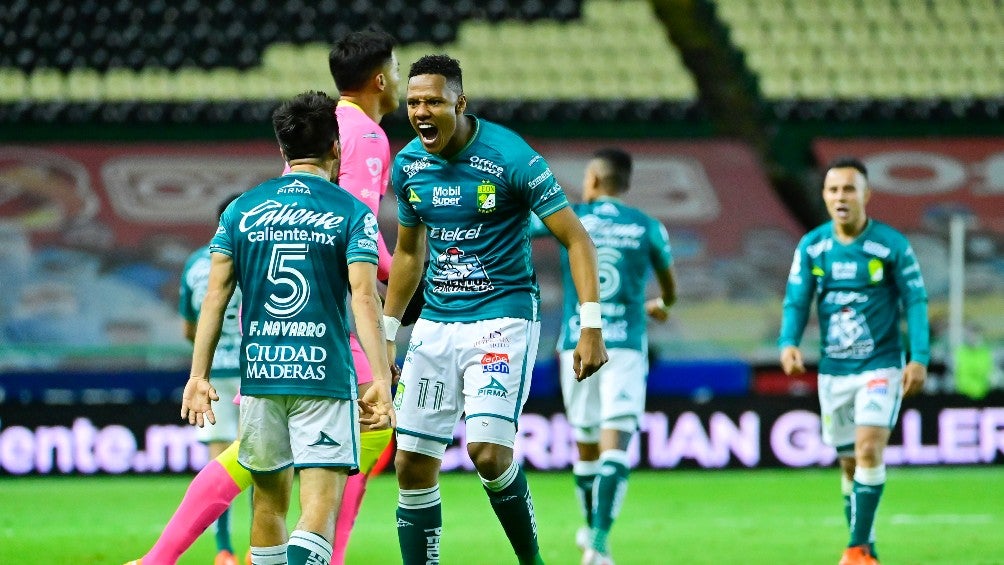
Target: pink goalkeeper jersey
[(364, 170)]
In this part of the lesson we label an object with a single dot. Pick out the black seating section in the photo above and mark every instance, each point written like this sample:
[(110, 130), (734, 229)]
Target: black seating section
[(102, 34)]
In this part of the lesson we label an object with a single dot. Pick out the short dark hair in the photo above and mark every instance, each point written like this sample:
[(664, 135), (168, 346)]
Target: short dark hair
[(226, 202), (848, 163), (305, 126), (440, 65), (620, 164), (355, 57)]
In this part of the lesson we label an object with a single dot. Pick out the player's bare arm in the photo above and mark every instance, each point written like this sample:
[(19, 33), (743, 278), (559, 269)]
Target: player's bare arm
[(196, 401), (658, 308), (376, 411), (405, 274), (914, 375), (590, 353), (791, 361)]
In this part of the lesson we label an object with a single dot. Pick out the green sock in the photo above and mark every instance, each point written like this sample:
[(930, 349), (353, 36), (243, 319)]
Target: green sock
[(585, 475), (868, 486), (510, 498), (419, 525), (608, 495), (307, 547)]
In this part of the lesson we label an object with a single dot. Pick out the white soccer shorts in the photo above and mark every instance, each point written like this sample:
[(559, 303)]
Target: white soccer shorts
[(872, 398), (304, 431), (227, 413), (479, 369), (616, 391)]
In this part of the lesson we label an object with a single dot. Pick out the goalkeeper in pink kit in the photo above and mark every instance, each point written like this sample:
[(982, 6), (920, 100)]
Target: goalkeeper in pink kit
[(365, 69)]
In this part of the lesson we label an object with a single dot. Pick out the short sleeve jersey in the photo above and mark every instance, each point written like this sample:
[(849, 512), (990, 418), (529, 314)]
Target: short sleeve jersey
[(629, 244), (292, 239), (194, 282), (860, 289), (476, 210)]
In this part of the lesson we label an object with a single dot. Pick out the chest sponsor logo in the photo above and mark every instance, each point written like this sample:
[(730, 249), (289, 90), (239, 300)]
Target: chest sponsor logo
[(487, 166), (844, 270), (486, 198), (413, 168), (455, 234), (455, 271), (446, 196)]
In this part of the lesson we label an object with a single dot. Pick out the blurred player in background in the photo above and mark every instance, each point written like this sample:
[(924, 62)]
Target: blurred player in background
[(365, 69), (298, 383), (606, 410), (863, 276), (226, 377), (465, 188)]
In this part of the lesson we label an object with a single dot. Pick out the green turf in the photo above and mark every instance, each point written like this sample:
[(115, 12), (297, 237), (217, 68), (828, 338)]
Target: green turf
[(928, 516)]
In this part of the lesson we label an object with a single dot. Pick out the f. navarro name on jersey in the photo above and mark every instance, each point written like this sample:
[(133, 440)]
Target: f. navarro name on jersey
[(287, 329)]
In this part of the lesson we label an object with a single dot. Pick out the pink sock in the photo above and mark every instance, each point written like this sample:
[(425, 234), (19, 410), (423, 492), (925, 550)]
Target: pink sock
[(209, 494), (352, 498)]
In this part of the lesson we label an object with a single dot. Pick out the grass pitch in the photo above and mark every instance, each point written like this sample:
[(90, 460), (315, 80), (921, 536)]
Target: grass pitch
[(928, 516)]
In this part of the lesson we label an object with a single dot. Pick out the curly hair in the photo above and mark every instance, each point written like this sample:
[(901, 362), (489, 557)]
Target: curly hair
[(440, 65)]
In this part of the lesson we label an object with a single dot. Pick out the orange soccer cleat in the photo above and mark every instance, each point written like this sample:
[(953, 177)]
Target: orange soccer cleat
[(858, 555)]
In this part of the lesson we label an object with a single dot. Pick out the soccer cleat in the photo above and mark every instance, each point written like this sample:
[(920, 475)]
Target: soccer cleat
[(593, 557), (858, 555), (583, 537), (224, 557)]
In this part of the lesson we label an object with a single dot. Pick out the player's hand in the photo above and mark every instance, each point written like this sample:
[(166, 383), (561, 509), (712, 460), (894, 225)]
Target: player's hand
[(590, 354), (791, 361), (914, 375), (197, 402), (376, 410), (657, 309)]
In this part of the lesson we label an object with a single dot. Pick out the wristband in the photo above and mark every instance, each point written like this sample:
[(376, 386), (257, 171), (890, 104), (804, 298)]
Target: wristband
[(390, 327), (589, 315)]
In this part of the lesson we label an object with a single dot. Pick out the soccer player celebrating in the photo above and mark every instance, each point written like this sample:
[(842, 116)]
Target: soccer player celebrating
[(466, 188), (298, 384), (862, 275), (606, 410)]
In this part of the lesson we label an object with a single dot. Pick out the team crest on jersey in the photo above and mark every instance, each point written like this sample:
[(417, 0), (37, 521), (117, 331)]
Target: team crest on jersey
[(486, 197), (455, 271)]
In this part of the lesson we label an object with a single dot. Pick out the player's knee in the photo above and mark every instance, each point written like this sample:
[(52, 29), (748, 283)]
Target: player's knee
[(491, 460), (415, 470)]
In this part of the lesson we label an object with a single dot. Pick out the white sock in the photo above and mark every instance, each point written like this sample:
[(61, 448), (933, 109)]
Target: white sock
[(272, 555)]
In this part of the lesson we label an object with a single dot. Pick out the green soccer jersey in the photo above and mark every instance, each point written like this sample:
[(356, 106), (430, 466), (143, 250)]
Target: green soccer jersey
[(194, 281), (861, 290), (629, 244), (475, 207), (292, 239)]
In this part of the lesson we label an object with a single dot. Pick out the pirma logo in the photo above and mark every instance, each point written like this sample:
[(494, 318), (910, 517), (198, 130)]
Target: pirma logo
[(494, 388), (325, 439)]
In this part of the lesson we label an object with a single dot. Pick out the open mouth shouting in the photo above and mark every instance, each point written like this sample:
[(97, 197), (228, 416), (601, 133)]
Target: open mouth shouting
[(430, 136)]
